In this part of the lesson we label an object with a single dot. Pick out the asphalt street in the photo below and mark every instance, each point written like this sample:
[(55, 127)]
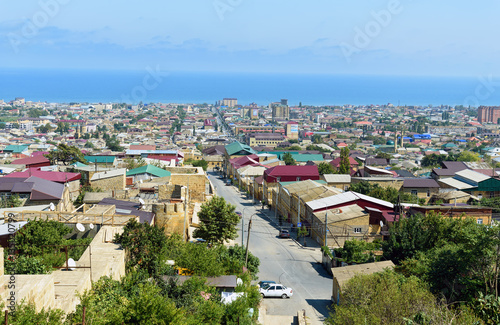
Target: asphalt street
[(282, 260)]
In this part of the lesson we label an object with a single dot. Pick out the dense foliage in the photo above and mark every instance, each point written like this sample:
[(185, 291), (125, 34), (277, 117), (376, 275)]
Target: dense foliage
[(389, 194), (39, 247), (325, 168), (345, 164), (218, 221), (391, 298), (288, 159), (357, 251), (65, 154)]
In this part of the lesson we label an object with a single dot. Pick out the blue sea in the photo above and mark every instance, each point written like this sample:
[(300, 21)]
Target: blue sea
[(65, 86)]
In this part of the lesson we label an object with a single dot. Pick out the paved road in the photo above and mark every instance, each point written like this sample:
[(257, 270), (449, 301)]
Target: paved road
[(282, 260)]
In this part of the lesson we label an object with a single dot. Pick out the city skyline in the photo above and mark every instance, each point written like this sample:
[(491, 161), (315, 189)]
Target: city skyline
[(377, 37)]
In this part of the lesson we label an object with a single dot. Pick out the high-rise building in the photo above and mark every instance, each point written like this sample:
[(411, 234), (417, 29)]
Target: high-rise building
[(280, 111), (488, 114), (229, 102)]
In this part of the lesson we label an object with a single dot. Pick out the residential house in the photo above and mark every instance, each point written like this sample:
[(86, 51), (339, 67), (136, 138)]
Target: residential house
[(342, 182), (36, 191), (146, 173), (277, 174), (482, 215), (109, 180), (233, 150), (368, 230), (341, 275), (32, 162), (423, 188), (105, 161)]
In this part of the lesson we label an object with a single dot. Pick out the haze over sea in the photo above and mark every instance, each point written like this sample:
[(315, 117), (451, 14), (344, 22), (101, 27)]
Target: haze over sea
[(66, 86)]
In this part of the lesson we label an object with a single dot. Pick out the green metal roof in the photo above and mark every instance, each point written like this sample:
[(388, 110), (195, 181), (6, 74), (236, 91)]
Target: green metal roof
[(149, 169), (100, 159), (15, 148), (79, 164), (235, 147), (304, 157)]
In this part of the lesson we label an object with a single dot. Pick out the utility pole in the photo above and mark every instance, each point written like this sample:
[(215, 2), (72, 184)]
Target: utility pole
[(185, 209), (248, 241), (326, 228), (242, 227)]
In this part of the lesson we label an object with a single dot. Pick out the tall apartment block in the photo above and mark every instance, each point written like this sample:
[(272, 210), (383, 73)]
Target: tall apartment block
[(488, 114)]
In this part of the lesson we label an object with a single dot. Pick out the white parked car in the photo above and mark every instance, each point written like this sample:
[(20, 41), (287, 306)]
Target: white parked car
[(276, 290)]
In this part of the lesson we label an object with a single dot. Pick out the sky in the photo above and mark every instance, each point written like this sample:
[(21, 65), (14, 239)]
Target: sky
[(394, 37)]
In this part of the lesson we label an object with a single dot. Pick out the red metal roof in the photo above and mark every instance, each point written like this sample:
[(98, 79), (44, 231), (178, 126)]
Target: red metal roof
[(58, 177), (31, 161), (298, 171)]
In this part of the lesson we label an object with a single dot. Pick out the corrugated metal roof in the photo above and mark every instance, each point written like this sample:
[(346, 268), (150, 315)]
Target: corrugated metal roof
[(108, 174), (420, 183), (344, 274), (337, 178), (455, 183), (345, 213), (471, 176), (149, 169), (343, 198)]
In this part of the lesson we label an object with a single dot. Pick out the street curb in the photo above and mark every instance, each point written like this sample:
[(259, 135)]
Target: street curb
[(302, 246)]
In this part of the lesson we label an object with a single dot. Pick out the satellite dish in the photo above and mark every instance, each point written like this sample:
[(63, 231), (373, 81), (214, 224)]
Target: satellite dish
[(141, 201), (381, 223), (80, 227), (91, 226), (71, 264), (239, 281), (52, 207)]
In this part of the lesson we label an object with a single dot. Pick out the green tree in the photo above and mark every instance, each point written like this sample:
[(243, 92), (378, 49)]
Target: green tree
[(317, 139), (145, 245), (345, 164), (390, 298), (468, 156), (66, 154), (45, 128), (132, 163), (218, 221), (113, 144), (288, 159), (325, 168)]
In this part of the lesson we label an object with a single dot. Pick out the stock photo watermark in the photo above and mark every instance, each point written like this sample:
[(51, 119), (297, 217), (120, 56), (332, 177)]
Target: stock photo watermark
[(486, 87), (364, 36), (40, 19), (222, 7), (150, 82), (11, 285)]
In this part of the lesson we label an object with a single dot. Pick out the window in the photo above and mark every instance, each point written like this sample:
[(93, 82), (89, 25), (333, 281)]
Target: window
[(479, 221), (279, 179), (357, 230), (492, 195), (428, 193), (298, 179), (480, 196), (414, 192)]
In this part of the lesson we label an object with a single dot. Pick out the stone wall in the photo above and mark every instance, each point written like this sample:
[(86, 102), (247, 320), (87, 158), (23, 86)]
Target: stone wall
[(195, 182), (111, 183), (170, 216)]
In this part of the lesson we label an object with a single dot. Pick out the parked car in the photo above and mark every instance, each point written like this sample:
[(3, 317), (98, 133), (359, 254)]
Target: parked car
[(284, 233), (265, 283), (228, 182), (276, 290), (238, 213)]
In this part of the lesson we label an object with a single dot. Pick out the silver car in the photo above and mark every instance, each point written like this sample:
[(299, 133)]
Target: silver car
[(276, 290)]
